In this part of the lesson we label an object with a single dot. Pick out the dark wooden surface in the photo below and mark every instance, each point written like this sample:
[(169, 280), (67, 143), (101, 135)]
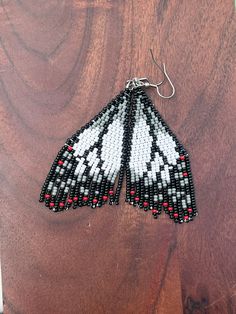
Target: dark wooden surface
[(60, 63)]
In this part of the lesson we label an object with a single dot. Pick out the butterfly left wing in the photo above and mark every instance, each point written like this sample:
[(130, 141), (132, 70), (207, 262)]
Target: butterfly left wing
[(85, 169)]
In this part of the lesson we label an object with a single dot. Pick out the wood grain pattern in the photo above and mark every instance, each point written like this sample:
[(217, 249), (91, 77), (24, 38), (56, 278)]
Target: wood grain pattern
[(60, 63)]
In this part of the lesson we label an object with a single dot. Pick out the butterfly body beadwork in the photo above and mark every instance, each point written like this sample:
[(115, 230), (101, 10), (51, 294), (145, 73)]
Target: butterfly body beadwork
[(128, 138)]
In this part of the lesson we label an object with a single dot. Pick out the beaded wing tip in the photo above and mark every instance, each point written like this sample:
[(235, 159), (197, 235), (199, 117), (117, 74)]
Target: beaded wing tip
[(128, 138)]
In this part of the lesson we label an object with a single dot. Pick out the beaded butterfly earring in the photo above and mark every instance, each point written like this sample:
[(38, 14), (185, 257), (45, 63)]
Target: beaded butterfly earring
[(128, 138)]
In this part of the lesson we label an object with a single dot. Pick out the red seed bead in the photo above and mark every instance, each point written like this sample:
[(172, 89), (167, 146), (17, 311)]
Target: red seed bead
[(185, 217), (105, 198), (165, 204), (145, 204), (190, 210), (69, 148), (132, 192), (51, 204), (60, 162), (136, 198), (75, 198), (95, 201), (185, 174), (182, 157), (170, 209), (111, 192), (154, 211), (85, 198), (61, 204), (69, 201), (47, 196), (176, 215)]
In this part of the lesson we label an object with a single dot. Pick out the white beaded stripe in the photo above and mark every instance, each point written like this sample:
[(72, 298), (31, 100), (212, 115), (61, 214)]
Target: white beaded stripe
[(86, 139), (167, 146), (164, 140), (142, 143), (90, 136), (112, 144)]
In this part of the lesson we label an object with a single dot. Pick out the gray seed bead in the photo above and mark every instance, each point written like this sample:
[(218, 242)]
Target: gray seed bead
[(63, 184)]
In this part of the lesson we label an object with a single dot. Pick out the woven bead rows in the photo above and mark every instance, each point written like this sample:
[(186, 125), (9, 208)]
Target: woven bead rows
[(128, 137), (85, 169), (158, 174)]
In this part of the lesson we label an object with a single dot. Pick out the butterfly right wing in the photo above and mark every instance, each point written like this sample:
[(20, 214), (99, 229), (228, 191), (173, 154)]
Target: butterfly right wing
[(158, 174)]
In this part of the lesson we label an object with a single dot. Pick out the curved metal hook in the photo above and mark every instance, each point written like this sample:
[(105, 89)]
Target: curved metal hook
[(171, 84), (166, 76)]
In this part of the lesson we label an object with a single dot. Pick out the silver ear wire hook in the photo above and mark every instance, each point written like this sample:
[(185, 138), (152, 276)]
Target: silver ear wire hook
[(171, 84), (166, 76)]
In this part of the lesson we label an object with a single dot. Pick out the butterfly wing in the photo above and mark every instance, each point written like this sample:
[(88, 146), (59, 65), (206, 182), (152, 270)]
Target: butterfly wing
[(158, 172), (85, 169)]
